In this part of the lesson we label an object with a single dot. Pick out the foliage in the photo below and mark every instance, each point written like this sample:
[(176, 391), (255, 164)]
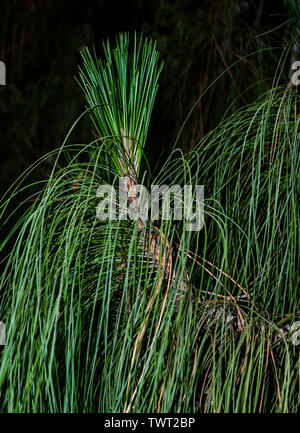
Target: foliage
[(113, 316)]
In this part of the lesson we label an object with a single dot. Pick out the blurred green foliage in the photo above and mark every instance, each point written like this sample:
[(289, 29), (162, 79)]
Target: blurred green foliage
[(40, 44)]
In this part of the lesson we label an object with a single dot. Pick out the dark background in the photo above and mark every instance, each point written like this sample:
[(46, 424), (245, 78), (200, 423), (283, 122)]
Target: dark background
[(40, 44)]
